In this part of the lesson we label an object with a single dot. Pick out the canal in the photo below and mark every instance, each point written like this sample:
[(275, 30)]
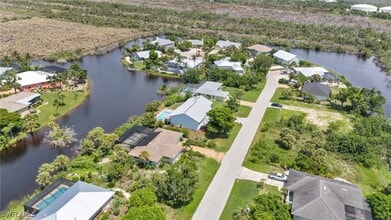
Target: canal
[(116, 94)]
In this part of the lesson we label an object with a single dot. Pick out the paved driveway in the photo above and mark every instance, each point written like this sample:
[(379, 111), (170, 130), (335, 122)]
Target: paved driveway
[(247, 174), (213, 202)]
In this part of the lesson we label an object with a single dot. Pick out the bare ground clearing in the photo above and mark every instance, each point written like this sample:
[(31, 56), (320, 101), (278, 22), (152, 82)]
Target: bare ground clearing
[(319, 117), (209, 153), (42, 37)]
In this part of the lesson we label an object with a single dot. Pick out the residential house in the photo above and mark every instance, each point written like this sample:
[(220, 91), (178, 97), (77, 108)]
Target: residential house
[(196, 43), (180, 66), (160, 144), (285, 58), (310, 71), (65, 200), (225, 64), (315, 197), (163, 42), (258, 49), (143, 55), (31, 80), (212, 90), (320, 91), (20, 102), (192, 113), (223, 44)]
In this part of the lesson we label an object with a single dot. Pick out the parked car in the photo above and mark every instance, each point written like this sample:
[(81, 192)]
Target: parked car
[(278, 176), (277, 105)]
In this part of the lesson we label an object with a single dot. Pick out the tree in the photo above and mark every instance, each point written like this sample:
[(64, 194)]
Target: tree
[(58, 137), (10, 79), (31, 122), (144, 156), (145, 213), (143, 197), (262, 63), (316, 78), (43, 179), (380, 205), (61, 98), (221, 121), (153, 56), (288, 139), (342, 96), (46, 167), (184, 46), (60, 162), (233, 103), (269, 206), (149, 120), (56, 104)]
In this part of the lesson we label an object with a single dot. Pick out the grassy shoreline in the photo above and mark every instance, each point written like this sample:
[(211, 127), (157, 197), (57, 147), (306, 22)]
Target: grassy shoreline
[(140, 66)]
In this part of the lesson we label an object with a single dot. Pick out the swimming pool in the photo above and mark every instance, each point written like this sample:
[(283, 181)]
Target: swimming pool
[(53, 196), (163, 115)]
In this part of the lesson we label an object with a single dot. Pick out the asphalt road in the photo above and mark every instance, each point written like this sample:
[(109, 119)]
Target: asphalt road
[(213, 202)]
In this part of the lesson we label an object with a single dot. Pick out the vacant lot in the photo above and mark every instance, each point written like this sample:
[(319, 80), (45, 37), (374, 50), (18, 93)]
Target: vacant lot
[(42, 37)]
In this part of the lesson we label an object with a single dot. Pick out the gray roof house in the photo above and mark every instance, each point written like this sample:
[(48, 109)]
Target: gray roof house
[(315, 197), (225, 64), (19, 102), (257, 49), (285, 58), (320, 91), (163, 42), (192, 113), (222, 44), (80, 201), (143, 55), (212, 90)]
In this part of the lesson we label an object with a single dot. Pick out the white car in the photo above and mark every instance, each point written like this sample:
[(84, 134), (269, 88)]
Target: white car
[(278, 176)]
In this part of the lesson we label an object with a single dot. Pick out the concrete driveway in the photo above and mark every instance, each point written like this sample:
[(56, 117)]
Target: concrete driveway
[(247, 174), (213, 202)]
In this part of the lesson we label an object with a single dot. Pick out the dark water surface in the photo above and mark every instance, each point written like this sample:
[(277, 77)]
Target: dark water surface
[(360, 72), (116, 94)]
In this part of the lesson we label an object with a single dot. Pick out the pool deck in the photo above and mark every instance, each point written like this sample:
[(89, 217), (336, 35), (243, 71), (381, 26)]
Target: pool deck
[(162, 112)]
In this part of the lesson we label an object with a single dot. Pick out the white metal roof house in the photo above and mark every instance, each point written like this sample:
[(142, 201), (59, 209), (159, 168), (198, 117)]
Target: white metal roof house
[(181, 66), (33, 79), (222, 44), (225, 64), (285, 58), (192, 113), (385, 9), (257, 49), (143, 55), (80, 201), (212, 90), (163, 42), (196, 43), (315, 197), (364, 7), (310, 71), (20, 102)]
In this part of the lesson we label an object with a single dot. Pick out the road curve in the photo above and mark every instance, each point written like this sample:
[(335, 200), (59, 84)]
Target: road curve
[(213, 202)]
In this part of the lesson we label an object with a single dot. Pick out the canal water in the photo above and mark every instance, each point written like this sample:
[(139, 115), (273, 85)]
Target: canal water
[(360, 72), (116, 94)]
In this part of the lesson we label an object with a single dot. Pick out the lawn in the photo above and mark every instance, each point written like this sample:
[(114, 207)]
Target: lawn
[(207, 172), (47, 110), (243, 193), (223, 143), (243, 111), (250, 96)]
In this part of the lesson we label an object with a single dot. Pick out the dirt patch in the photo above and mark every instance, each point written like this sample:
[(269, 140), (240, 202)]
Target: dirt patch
[(246, 103), (8, 16), (42, 37), (319, 117), (209, 153)]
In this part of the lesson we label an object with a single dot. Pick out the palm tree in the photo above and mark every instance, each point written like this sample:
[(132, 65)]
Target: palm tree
[(46, 167), (56, 104), (31, 122), (144, 156), (60, 162), (43, 179), (10, 79), (61, 97), (6, 61)]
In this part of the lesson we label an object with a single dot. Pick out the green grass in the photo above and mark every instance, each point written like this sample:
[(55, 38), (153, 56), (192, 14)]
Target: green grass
[(243, 111), (249, 96), (47, 111), (207, 172), (139, 65), (244, 192)]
